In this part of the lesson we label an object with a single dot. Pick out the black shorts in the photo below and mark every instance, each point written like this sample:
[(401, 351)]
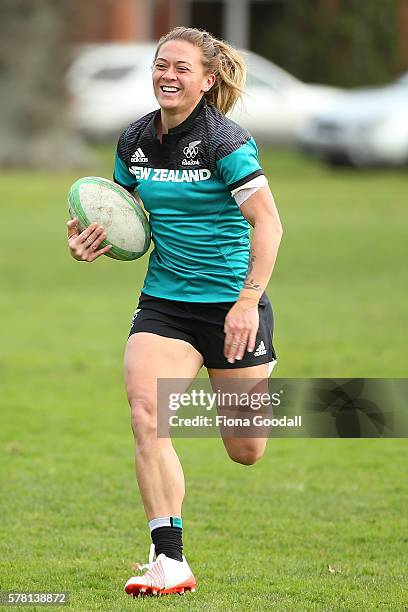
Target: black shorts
[(202, 325)]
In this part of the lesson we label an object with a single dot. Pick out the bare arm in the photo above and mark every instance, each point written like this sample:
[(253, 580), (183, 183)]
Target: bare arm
[(260, 211), (242, 321)]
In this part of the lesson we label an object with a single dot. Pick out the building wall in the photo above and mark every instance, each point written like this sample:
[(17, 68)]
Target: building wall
[(112, 20), (126, 20), (131, 20), (167, 14)]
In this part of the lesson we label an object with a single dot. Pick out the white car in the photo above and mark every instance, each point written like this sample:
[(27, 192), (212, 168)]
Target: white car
[(366, 127), (110, 86), (276, 105)]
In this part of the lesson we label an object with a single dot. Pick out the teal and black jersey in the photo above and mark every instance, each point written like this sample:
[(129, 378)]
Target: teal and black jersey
[(201, 239)]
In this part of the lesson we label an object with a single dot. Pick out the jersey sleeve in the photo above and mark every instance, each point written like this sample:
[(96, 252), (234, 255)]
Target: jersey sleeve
[(121, 174), (244, 192), (240, 166)]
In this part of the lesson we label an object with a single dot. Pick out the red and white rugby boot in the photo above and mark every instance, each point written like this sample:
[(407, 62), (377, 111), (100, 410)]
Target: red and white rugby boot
[(163, 577)]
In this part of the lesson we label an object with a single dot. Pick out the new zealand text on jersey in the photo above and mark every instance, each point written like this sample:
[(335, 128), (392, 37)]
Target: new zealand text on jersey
[(172, 176)]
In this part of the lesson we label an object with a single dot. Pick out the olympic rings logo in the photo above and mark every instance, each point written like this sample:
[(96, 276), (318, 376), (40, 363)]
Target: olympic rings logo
[(192, 149), (190, 152)]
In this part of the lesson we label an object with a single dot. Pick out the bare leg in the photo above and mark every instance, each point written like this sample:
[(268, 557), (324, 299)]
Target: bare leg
[(243, 450), (158, 469)]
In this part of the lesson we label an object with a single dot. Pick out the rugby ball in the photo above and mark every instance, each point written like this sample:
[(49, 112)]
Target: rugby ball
[(93, 199)]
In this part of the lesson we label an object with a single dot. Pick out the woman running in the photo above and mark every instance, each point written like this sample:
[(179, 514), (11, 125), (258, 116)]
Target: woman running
[(203, 301)]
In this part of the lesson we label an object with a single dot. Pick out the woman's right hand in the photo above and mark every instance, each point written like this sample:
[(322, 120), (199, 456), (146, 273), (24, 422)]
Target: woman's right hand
[(84, 246)]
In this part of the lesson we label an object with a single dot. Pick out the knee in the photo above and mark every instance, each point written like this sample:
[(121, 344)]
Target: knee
[(246, 454), (143, 418)]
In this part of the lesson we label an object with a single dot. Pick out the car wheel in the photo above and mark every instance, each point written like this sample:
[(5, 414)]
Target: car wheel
[(338, 160)]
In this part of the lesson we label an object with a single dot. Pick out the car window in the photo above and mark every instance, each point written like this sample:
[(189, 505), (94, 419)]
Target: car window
[(115, 73), (263, 73), (254, 81), (403, 80)]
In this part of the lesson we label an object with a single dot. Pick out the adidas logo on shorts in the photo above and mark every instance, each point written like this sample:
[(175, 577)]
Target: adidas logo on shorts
[(136, 313), (139, 156), (261, 350)]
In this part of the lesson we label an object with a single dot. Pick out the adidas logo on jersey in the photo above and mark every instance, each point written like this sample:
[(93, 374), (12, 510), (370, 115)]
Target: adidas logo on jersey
[(139, 156), (261, 350)]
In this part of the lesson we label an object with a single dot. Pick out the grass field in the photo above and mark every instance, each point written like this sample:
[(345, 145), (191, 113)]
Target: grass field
[(258, 538)]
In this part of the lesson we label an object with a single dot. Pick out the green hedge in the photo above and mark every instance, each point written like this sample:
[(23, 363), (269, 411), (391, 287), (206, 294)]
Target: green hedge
[(357, 44)]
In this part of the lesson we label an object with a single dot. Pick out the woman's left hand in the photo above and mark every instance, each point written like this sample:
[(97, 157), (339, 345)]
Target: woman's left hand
[(240, 328)]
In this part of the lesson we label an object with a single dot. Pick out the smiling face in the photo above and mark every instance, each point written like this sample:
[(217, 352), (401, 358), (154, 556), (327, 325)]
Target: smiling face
[(179, 79)]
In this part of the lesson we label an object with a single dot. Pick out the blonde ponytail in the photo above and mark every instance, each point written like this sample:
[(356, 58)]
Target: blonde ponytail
[(219, 58)]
